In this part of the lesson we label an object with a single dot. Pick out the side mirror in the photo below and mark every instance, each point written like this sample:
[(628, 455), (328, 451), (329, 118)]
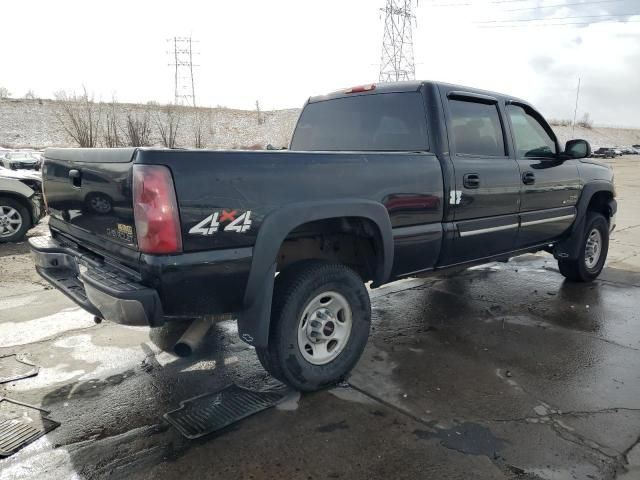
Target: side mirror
[(577, 149)]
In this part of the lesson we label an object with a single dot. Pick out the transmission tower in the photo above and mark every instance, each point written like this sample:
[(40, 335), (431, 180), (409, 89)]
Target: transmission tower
[(182, 54), (397, 62)]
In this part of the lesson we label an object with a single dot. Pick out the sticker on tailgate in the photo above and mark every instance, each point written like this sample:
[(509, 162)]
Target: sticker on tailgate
[(235, 222)]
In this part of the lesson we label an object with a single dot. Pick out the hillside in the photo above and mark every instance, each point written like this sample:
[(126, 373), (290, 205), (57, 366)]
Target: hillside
[(35, 124)]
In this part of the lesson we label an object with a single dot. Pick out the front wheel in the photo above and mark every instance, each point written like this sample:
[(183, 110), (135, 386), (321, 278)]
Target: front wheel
[(14, 220), (593, 251), (319, 325)]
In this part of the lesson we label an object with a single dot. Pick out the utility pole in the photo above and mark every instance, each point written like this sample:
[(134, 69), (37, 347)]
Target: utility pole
[(183, 78), (575, 111), (397, 61)]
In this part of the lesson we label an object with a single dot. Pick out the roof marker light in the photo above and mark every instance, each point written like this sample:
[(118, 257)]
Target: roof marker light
[(362, 88)]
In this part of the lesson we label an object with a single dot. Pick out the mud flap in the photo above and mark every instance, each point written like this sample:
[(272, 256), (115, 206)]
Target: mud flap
[(254, 321), (208, 413)]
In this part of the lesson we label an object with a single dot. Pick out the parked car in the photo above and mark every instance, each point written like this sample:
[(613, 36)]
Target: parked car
[(604, 152), (20, 161), (381, 182), (21, 205), (628, 151)]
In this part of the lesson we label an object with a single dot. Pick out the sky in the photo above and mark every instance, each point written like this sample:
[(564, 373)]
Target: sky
[(282, 51)]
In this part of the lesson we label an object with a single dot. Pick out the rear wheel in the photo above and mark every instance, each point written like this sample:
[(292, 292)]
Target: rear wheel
[(319, 325), (14, 220), (593, 251)]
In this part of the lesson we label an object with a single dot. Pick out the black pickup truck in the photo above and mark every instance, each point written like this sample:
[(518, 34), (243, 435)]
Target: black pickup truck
[(380, 182)]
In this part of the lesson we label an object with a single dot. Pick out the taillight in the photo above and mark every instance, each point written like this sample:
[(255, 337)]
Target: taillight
[(155, 210)]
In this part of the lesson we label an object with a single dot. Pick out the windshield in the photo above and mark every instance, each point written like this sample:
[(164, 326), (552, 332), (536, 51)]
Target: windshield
[(381, 122)]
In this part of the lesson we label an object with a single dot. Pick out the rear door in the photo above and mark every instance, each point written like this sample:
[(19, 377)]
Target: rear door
[(550, 186), (487, 180)]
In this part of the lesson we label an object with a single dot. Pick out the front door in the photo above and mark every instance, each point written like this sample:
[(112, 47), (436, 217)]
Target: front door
[(550, 186), (487, 179)]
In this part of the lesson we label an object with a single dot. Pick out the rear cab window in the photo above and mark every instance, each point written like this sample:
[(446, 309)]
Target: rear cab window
[(477, 129), (372, 122)]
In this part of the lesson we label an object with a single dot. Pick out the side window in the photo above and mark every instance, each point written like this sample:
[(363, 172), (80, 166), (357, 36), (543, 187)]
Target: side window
[(476, 128), (532, 140)]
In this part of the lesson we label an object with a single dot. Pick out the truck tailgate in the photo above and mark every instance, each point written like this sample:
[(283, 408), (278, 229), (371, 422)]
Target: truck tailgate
[(89, 194)]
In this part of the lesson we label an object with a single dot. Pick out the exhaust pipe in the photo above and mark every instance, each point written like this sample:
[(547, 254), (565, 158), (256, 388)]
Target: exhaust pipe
[(192, 337)]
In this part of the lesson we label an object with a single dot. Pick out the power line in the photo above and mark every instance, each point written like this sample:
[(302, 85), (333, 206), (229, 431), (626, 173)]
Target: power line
[(536, 25), (562, 5), (557, 18), (469, 4)]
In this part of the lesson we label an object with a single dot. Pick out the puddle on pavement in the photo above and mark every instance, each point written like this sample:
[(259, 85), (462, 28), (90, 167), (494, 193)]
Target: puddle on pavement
[(469, 438)]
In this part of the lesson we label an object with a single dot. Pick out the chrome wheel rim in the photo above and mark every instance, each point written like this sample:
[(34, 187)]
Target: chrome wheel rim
[(324, 328), (593, 248), (10, 221)]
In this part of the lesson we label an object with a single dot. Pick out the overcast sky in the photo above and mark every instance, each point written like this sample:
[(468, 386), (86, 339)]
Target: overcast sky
[(282, 51)]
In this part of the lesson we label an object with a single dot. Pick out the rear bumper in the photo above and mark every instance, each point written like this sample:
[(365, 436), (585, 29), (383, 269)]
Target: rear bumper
[(99, 288)]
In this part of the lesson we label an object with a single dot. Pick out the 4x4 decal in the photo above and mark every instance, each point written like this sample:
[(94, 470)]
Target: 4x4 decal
[(212, 224)]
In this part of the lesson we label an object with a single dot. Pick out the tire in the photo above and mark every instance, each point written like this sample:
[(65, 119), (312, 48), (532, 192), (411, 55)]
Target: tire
[(14, 220), (315, 304), (99, 203), (588, 265)]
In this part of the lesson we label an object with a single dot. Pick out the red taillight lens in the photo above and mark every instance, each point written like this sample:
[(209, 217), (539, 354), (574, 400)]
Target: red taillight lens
[(155, 210)]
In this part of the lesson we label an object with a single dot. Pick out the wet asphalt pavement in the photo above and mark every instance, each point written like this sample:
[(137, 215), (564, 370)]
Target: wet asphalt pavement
[(503, 371)]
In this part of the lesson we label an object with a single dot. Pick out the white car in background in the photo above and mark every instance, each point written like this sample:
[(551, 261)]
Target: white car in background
[(21, 203), (20, 161)]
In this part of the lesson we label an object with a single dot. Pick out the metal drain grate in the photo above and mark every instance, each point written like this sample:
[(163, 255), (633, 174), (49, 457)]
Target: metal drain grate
[(13, 368), (205, 414), (21, 424)]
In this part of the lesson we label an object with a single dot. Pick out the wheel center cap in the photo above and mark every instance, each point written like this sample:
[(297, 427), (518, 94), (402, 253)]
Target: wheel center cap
[(321, 327), (328, 329)]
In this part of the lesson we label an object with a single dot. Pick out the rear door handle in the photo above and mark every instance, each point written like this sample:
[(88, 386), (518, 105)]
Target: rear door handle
[(471, 180), (528, 178)]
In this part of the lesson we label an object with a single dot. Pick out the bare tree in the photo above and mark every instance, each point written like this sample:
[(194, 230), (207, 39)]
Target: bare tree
[(4, 92), (79, 116), (199, 130), (111, 137), (167, 123), (259, 113), (138, 129), (30, 95), (585, 121)]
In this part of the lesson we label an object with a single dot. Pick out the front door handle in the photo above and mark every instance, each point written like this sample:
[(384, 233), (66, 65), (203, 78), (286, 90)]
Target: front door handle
[(471, 180), (528, 178)]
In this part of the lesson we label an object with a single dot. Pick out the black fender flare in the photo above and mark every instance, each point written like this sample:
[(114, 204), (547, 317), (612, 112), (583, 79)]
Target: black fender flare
[(255, 316), (569, 248)]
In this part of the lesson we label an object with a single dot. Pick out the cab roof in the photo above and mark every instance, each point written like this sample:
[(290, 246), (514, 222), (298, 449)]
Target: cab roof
[(408, 86)]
